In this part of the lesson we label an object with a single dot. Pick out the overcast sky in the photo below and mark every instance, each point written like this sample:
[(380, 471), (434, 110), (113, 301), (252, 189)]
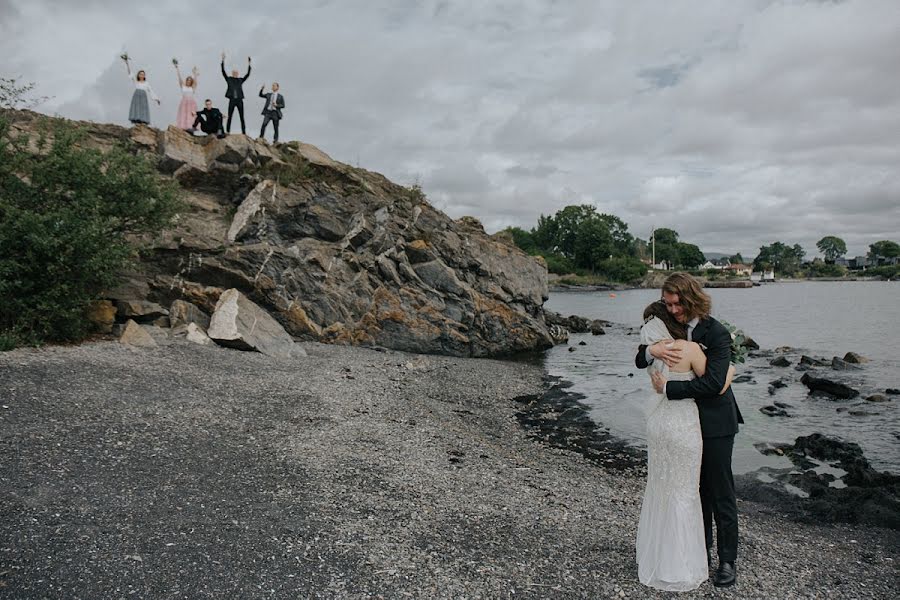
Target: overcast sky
[(736, 123)]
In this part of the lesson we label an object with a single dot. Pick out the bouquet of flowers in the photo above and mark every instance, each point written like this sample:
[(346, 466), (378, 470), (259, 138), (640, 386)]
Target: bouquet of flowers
[(738, 349), (124, 56), (175, 61)]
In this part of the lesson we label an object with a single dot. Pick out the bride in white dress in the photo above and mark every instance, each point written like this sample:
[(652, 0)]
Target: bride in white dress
[(671, 550)]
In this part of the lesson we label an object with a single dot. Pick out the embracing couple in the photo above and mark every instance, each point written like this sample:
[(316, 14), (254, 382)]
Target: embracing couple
[(690, 437)]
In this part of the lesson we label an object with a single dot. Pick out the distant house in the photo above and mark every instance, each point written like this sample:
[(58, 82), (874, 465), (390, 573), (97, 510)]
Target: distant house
[(860, 262), (662, 265), (740, 269), (762, 276), (709, 265), (768, 275), (842, 262)]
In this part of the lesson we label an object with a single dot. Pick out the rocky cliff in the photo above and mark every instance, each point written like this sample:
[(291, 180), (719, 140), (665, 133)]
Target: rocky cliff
[(334, 253)]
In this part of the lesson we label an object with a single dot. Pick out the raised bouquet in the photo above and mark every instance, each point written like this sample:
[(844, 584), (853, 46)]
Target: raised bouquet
[(738, 349), (124, 56), (175, 61)]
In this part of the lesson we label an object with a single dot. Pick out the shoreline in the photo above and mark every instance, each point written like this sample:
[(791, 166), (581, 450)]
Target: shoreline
[(735, 284), (352, 472)]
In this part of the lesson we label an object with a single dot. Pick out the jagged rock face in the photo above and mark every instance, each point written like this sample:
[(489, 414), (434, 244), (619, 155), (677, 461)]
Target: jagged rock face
[(334, 253)]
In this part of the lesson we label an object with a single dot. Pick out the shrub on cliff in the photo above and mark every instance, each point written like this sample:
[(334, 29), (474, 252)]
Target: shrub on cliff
[(69, 220)]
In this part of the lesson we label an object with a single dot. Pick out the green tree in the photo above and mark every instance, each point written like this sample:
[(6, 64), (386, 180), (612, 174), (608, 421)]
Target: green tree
[(67, 218), (523, 239), (736, 259), (623, 268), (689, 255), (779, 256), (832, 247), (666, 245), (884, 249), (593, 243)]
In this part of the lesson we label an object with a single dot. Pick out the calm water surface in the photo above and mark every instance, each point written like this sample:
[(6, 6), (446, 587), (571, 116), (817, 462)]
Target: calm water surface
[(822, 319)]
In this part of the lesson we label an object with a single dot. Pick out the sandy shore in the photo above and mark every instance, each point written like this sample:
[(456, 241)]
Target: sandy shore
[(202, 472)]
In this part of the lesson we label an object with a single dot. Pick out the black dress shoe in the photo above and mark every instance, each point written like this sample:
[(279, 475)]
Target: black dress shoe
[(725, 575)]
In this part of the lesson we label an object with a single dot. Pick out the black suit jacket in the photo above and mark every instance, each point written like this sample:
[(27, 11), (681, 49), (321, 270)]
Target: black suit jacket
[(209, 120), (279, 103), (235, 89), (719, 414)]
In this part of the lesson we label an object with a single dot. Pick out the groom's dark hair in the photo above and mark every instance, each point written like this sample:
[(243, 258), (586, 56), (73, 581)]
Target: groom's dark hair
[(694, 300), (658, 309)]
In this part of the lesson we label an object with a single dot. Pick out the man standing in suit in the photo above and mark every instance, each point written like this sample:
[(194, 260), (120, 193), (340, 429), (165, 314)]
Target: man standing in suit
[(235, 93), (271, 110), (719, 414), (210, 120)]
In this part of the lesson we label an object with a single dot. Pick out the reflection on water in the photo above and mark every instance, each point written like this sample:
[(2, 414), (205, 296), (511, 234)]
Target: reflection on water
[(817, 319)]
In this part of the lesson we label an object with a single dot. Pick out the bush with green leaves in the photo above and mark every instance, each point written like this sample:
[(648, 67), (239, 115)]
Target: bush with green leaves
[(624, 269), (558, 264), (70, 216)]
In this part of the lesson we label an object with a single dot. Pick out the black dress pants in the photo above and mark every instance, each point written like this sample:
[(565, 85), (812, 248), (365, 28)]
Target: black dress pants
[(239, 104), (272, 116), (717, 496)]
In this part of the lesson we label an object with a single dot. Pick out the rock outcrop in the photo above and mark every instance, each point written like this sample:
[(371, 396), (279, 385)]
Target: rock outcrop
[(334, 253)]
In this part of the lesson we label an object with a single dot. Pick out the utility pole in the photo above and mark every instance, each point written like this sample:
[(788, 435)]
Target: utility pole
[(653, 246)]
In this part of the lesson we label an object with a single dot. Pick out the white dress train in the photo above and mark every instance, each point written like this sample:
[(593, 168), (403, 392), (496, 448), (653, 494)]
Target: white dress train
[(671, 550)]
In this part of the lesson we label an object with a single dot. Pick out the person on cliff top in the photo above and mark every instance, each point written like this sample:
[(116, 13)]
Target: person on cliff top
[(210, 120), (235, 93), (271, 110), (139, 111), (187, 108)]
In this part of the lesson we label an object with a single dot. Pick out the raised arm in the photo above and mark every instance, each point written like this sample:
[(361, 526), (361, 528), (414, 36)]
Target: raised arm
[(195, 75), (261, 88), (222, 64), (128, 68), (710, 384), (248, 70), (180, 80)]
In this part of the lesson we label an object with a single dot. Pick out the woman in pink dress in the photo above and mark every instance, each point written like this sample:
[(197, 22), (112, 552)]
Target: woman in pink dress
[(187, 108)]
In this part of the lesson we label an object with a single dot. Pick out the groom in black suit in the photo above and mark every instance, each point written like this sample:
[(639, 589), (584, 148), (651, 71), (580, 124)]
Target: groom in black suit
[(719, 413)]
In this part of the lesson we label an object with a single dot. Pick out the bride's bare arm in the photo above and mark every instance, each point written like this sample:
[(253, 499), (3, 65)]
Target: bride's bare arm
[(728, 379)]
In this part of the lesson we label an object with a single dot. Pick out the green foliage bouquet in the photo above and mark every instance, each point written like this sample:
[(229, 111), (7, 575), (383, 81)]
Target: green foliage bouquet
[(738, 349)]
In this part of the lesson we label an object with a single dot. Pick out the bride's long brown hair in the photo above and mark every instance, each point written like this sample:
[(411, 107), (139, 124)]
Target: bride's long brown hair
[(658, 309)]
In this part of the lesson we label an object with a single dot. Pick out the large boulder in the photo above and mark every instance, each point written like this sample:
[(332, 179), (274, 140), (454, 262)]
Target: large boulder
[(239, 323), (828, 387)]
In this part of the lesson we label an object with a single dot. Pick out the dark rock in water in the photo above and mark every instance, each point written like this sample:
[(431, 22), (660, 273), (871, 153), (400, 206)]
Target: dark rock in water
[(813, 362), (783, 405), (774, 411), (571, 348), (582, 343), (831, 388), (769, 449), (853, 357), (744, 379), (783, 349), (861, 413), (839, 364), (878, 398), (776, 385), (573, 323), (781, 361), (892, 391), (803, 368), (750, 343), (597, 327)]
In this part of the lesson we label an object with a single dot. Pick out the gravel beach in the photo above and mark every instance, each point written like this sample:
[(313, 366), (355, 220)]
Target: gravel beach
[(186, 471)]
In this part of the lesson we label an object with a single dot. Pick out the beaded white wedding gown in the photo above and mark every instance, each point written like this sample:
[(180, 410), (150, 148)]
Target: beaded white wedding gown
[(671, 551)]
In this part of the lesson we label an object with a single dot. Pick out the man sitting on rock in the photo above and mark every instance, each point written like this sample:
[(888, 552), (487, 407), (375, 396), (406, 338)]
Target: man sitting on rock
[(210, 120)]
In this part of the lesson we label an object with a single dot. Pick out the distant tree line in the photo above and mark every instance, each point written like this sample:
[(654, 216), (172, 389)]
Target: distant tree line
[(578, 239)]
